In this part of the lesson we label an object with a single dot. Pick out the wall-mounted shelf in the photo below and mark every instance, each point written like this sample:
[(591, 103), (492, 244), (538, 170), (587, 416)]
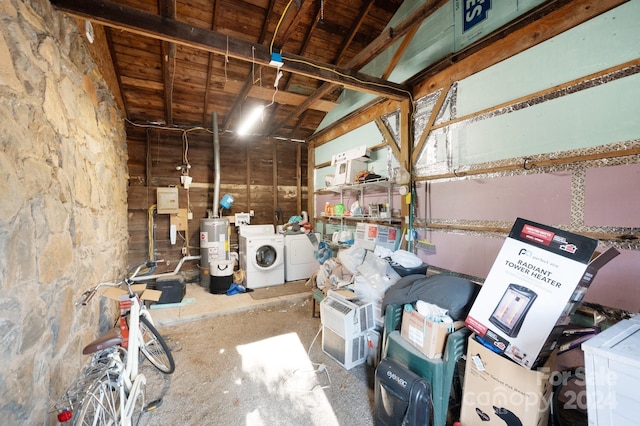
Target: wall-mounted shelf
[(339, 189), (381, 185), (363, 218)]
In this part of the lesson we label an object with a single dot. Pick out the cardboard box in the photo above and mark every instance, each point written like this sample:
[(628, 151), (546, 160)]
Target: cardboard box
[(497, 391), (534, 286), (369, 236), (427, 336)]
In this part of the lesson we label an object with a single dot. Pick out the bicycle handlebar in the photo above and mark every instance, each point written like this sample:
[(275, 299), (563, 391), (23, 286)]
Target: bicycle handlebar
[(88, 295)]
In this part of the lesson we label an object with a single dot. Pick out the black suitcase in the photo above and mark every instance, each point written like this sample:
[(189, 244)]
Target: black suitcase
[(401, 396)]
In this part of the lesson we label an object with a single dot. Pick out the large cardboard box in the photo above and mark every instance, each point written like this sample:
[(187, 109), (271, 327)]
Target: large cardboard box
[(428, 336), (538, 279), (369, 235), (497, 391)]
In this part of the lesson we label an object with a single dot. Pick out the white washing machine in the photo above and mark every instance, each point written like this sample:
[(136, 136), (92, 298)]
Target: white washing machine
[(300, 260), (261, 255)]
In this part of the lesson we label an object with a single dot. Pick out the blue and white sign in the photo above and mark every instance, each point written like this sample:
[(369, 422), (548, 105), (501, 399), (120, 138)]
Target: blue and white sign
[(474, 12)]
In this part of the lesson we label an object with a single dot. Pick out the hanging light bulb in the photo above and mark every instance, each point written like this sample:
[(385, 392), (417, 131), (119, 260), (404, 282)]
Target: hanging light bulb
[(251, 120)]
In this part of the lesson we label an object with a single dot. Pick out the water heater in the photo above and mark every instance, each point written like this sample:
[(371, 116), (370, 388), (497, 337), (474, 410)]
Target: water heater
[(214, 245)]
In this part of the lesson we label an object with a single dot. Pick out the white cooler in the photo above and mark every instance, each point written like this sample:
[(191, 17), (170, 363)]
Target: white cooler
[(612, 369)]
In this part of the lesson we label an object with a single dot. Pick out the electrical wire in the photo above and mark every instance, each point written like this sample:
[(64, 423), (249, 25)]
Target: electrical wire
[(185, 151), (372, 83), (150, 232), (175, 129), (226, 60), (273, 39), (275, 85)]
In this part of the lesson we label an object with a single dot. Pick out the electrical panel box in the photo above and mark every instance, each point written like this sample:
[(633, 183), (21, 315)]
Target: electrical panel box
[(167, 201)]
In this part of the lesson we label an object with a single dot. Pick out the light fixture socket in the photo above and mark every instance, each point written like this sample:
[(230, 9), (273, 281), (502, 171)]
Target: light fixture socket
[(276, 60)]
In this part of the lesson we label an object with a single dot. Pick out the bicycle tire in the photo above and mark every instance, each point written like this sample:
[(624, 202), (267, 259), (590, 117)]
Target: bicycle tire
[(101, 404), (154, 348)]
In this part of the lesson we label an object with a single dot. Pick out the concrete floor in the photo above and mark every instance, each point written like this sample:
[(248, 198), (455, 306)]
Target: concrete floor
[(198, 303), (241, 361)]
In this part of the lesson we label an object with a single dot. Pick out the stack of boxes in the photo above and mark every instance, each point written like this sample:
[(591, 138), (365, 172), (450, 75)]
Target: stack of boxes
[(536, 283)]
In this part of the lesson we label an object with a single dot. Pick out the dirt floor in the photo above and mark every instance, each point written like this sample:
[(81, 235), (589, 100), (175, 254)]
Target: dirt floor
[(259, 367)]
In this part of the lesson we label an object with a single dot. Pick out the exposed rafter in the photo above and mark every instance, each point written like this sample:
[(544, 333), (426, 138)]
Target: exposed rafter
[(207, 90), (168, 9), (383, 41), (151, 25)]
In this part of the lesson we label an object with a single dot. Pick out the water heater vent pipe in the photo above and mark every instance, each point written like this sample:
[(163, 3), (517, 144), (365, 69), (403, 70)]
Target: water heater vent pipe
[(216, 164)]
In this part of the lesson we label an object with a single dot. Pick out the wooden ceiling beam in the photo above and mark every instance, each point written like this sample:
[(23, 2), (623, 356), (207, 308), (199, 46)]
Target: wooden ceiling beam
[(293, 18), (248, 82), (207, 84), (354, 30), (542, 23), (167, 9), (393, 34), (150, 25), (289, 22), (397, 55), (116, 70), (383, 41), (305, 44)]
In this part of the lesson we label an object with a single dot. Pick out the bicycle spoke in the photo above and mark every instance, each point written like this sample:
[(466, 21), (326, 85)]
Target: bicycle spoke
[(101, 405), (155, 348)]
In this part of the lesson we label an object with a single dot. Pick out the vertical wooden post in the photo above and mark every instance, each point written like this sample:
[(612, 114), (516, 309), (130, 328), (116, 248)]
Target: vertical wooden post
[(406, 144), (311, 182), (299, 177)]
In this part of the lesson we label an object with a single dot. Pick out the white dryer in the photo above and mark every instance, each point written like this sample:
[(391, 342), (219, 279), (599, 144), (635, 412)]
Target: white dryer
[(261, 255), (300, 260)]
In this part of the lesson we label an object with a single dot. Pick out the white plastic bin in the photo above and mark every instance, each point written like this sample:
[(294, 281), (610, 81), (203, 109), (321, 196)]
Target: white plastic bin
[(612, 369)]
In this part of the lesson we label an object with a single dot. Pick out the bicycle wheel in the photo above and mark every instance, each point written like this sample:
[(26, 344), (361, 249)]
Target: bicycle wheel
[(154, 347), (101, 404)]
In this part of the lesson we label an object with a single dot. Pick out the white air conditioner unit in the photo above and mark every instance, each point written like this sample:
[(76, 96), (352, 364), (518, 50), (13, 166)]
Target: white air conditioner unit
[(346, 317), (348, 352), (345, 324)]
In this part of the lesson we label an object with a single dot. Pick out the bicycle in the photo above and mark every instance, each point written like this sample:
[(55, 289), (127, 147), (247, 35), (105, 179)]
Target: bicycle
[(110, 388)]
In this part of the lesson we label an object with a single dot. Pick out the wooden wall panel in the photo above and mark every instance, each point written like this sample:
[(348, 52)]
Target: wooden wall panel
[(262, 175)]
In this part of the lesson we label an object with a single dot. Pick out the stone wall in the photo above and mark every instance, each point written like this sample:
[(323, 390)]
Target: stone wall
[(63, 205)]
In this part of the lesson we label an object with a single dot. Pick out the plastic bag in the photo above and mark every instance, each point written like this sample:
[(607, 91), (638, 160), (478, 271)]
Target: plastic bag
[(406, 259), (379, 275), (351, 258)]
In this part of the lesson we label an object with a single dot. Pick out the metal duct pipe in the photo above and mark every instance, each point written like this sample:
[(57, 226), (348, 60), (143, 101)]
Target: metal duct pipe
[(216, 164)]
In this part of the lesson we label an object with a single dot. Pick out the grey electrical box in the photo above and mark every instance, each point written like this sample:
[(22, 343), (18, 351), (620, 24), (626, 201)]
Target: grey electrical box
[(167, 200)]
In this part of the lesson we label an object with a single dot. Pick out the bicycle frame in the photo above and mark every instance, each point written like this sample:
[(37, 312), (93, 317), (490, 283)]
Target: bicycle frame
[(123, 363), (134, 381)]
